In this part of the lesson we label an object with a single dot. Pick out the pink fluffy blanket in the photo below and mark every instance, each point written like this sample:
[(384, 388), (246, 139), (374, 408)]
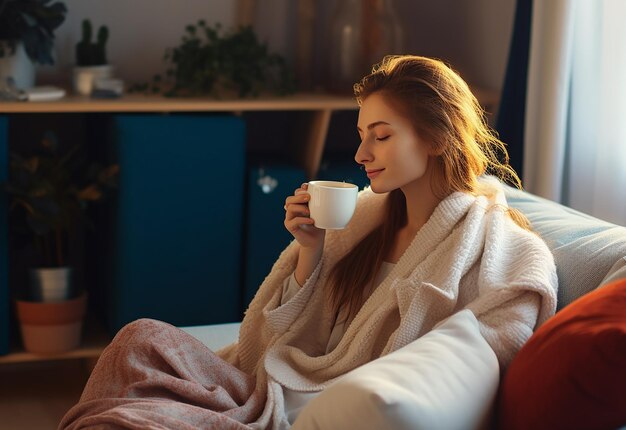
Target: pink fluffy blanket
[(155, 376)]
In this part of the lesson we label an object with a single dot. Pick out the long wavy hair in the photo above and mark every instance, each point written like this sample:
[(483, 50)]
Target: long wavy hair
[(446, 114)]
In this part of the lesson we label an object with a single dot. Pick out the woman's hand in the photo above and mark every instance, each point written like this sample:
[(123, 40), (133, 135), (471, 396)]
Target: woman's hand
[(298, 222), (310, 238)]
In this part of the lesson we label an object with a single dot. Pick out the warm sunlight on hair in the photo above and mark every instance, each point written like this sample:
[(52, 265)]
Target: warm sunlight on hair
[(442, 107)]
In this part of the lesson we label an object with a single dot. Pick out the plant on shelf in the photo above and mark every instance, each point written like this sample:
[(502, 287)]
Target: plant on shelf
[(89, 53), (51, 191), (27, 37), (31, 22), (91, 59), (208, 62)]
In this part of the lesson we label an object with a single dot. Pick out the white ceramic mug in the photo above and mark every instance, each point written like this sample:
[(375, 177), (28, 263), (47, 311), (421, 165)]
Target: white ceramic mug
[(332, 203)]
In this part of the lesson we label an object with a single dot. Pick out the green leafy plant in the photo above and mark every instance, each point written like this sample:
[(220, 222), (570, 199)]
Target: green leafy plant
[(89, 53), (208, 62), (52, 191), (32, 22)]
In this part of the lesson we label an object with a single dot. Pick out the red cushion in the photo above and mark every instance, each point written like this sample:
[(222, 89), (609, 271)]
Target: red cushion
[(571, 374)]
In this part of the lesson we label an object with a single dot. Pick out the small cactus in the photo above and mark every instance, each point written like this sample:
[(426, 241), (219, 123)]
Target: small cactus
[(88, 53)]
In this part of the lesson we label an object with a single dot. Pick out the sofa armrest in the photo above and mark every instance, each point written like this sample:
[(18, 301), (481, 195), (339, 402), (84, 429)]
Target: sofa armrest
[(587, 251)]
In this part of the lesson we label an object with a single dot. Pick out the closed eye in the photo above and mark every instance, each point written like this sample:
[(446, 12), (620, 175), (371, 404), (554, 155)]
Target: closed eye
[(380, 139)]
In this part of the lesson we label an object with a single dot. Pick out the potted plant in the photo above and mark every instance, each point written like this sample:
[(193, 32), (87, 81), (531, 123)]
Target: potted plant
[(91, 59), (27, 37), (209, 62), (51, 191)]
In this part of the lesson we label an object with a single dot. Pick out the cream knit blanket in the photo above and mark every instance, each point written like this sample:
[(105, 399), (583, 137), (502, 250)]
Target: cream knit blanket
[(470, 254)]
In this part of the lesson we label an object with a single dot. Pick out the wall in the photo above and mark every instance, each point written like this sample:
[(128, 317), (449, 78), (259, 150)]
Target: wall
[(140, 30), (473, 35)]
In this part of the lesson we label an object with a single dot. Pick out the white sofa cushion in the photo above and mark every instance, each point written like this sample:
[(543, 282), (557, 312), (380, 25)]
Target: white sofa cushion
[(215, 336), (447, 379), (587, 250), (618, 271)]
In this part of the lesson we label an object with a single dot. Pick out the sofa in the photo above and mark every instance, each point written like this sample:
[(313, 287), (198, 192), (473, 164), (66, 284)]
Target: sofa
[(570, 374)]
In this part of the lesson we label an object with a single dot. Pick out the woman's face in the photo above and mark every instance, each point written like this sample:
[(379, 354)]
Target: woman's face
[(393, 154)]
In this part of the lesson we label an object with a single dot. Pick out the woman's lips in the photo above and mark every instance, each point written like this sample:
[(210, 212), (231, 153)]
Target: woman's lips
[(373, 173)]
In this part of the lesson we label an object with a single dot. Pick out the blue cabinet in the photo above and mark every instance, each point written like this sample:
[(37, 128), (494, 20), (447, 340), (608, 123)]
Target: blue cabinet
[(191, 232), (175, 243), (266, 236)]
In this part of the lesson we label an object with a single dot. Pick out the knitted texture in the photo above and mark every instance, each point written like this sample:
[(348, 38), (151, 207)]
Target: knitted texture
[(469, 254)]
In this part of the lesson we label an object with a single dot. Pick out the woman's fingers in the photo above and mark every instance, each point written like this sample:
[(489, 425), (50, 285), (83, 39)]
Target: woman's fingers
[(294, 224), (297, 220), (299, 202), (296, 206), (299, 196), (294, 210)]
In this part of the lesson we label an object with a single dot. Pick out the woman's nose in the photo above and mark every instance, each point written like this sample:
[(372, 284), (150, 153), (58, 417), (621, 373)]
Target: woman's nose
[(362, 156)]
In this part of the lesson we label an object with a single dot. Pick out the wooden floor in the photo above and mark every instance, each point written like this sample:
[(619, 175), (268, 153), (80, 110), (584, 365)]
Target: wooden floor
[(36, 395)]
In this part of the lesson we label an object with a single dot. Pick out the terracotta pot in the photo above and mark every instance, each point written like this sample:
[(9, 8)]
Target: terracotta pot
[(51, 328)]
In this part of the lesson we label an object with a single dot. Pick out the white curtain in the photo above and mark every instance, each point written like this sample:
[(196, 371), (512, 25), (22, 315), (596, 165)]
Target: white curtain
[(575, 130)]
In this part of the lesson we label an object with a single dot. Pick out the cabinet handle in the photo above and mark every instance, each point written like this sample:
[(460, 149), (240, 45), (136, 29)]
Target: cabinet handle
[(266, 182)]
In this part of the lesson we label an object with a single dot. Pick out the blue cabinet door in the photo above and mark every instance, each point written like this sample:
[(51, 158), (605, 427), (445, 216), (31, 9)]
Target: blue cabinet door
[(268, 187), (176, 249)]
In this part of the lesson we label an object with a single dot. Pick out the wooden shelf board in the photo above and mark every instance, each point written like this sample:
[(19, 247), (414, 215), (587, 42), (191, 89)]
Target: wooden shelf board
[(158, 103), (94, 340)]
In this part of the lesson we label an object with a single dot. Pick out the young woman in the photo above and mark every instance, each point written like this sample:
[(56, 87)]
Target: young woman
[(431, 236)]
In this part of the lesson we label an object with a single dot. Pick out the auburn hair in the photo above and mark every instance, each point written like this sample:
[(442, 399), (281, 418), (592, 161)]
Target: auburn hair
[(446, 114)]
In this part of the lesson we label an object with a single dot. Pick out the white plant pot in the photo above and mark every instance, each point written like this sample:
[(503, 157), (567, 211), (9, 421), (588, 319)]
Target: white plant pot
[(51, 284), (84, 77), (19, 66)]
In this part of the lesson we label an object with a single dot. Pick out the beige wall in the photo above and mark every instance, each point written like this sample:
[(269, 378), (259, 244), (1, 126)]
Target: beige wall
[(140, 30), (473, 35)]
